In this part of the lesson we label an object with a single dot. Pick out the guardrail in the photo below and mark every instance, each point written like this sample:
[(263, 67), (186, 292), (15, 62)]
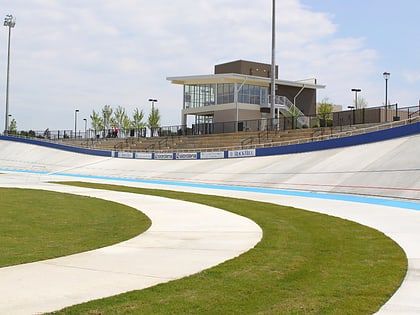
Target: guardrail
[(281, 147), (324, 136)]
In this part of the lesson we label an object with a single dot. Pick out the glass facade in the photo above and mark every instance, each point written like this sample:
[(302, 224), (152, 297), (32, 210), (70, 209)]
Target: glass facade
[(201, 95), (225, 93), (203, 119), (253, 94)]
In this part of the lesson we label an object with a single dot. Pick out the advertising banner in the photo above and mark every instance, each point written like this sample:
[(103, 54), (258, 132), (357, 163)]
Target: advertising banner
[(213, 155), (186, 156), (143, 155), (125, 155), (242, 153), (164, 156)]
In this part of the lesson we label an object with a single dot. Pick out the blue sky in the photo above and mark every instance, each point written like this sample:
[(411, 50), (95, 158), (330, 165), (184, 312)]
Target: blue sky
[(69, 55), (390, 29)]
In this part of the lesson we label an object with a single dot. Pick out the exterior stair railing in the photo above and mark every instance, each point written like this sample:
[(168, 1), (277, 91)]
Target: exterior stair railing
[(288, 109)]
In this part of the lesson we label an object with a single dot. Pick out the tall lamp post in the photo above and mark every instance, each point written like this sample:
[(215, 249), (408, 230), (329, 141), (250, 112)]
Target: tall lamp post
[(10, 120), (153, 103), (75, 123), (153, 113), (9, 22), (352, 109), (355, 96), (85, 120), (273, 62), (386, 77)]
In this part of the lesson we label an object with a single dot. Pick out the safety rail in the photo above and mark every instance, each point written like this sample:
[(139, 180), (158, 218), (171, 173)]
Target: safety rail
[(323, 135), (288, 109), (246, 141)]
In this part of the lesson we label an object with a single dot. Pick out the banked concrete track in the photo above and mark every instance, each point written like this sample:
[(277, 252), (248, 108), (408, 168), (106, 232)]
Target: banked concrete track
[(389, 170)]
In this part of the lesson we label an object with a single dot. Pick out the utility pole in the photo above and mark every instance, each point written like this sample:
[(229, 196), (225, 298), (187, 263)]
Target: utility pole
[(10, 22), (273, 63)]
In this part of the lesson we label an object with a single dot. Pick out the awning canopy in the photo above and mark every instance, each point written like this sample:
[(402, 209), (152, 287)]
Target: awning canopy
[(240, 78)]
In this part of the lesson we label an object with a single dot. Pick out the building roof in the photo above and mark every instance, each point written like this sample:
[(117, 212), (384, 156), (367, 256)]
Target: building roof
[(240, 78)]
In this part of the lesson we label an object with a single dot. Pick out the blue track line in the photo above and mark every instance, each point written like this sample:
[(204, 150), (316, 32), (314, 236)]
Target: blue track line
[(350, 198)]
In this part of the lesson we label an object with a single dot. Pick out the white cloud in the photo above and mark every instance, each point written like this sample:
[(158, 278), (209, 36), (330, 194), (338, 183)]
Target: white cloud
[(411, 76), (87, 54)]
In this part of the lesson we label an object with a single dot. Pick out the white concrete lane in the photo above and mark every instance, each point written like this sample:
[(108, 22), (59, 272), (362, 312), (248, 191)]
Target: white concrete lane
[(184, 239), (400, 224)]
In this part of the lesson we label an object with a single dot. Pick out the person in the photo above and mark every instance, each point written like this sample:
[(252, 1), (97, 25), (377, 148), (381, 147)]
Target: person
[(114, 131)]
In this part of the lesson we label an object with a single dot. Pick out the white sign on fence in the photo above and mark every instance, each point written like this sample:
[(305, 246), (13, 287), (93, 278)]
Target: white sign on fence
[(242, 153)]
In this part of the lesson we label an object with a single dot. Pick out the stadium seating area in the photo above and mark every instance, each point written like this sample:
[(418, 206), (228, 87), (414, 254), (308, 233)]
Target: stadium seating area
[(213, 142)]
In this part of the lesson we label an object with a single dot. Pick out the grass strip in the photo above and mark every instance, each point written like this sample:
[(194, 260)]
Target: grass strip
[(306, 263), (38, 224)]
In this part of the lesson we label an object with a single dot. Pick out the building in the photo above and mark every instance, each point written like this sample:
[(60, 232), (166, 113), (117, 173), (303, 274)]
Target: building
[(238, 92)]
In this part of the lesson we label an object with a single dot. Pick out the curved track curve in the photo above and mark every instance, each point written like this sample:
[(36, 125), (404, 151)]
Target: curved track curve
[(388, 169)]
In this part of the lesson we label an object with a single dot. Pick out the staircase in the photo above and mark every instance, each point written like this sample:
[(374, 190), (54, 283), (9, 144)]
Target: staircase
[(288, 109)]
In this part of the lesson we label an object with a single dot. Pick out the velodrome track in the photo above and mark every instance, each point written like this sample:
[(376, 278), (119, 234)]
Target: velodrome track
[(331, 181)]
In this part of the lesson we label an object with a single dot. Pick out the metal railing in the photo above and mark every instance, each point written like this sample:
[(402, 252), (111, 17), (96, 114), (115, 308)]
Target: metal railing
[(324, 134), (318, 134), (338, 122)]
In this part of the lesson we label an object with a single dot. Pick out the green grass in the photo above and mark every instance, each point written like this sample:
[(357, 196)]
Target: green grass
[(306, 263), (37, 224)]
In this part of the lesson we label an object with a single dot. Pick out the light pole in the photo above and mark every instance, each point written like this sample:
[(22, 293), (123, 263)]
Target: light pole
[(352, 109), (273, 62), (85, 120), (153, 103), (9, 22), (355, 97), (153, 115), (386, 77), (75, 122), (10, 120)]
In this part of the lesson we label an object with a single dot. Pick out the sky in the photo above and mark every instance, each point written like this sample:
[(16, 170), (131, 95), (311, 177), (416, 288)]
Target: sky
[(68, 55)]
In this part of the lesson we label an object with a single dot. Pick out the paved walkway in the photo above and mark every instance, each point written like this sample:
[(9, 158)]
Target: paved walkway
[(184, 239)]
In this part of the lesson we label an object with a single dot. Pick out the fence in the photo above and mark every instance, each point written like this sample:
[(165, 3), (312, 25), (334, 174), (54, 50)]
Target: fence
[(336, 119)]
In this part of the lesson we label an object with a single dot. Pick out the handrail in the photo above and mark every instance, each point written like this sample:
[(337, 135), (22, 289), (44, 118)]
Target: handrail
[(414, 113), (162, 141), (246, 141)]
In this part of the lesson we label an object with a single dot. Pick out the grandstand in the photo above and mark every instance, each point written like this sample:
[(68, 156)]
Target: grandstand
[(229, 141)]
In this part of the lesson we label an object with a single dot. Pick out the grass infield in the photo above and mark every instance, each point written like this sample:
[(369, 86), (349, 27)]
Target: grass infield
[(306, 263), (37, 224)]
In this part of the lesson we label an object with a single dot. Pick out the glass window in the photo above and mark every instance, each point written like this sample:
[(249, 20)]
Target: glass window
[(264, 96), (253, 94), (199, 95), (225, 93), (244, 94)]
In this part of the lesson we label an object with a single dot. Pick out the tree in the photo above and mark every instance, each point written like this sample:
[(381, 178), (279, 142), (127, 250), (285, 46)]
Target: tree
[(153, 121), (325, 109), (13, 127), (96, 121), (106, 116), (137, 122), (120, 119), (361, 102)]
